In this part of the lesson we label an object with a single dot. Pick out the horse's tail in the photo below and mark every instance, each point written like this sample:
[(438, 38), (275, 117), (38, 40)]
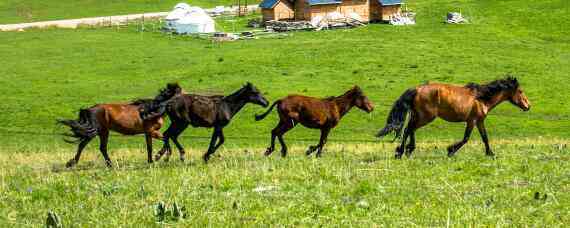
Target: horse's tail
[(157, 106), (397, 116), (86, 127), (262, 116)]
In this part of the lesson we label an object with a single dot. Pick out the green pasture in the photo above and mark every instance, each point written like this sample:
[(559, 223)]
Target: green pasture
[(50, 74)]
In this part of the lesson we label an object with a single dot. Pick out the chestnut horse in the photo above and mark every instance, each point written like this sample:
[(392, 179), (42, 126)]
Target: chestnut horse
[(205, 111), (323, 114), (470, 104), (99, 119)]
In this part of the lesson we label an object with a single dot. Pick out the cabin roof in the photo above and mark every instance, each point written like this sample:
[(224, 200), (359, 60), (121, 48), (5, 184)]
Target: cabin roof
[(323, 2), (268, 4), (390, 2)]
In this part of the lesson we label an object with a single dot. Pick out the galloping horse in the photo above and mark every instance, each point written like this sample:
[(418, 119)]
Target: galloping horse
[(126, 119), (206, 111), (323, 114), (470, 103)]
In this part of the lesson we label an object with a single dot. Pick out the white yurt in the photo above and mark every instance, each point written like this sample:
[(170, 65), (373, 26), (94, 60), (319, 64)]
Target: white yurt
[(186, 19), (196, 21), (179, 11)]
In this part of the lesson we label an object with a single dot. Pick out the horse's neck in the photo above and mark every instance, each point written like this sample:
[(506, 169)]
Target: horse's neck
[(343, 103), (234, 103), (495, 100)]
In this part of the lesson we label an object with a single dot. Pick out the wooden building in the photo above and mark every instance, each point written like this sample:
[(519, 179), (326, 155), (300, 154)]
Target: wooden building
[(305, 10)]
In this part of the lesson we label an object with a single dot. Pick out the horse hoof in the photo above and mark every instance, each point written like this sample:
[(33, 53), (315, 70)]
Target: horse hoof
[(70, 163), (310, 150), (268, 152), (109, 164), (398, 156)]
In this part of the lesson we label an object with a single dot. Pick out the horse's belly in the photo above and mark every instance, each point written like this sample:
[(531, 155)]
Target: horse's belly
[(127, 127), (452, 115)]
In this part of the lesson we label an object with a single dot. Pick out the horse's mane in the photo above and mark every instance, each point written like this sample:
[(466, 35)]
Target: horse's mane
[(487, 91), (354, 90), (141, 101), (149, 108)]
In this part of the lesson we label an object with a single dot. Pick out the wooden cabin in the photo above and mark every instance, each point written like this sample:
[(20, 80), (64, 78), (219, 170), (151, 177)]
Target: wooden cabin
[(277, 10), (305, 10)]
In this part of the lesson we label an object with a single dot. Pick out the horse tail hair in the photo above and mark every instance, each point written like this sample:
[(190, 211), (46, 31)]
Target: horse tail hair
[(84, 128), (262, 116), (157, 106), (398, 114)]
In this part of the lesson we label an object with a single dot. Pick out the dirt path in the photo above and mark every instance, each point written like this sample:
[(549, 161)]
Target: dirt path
[(108, 20)]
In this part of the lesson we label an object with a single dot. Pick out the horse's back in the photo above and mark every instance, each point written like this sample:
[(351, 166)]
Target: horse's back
[(450, 102), (119, 117), (199, 110), (310, 111)]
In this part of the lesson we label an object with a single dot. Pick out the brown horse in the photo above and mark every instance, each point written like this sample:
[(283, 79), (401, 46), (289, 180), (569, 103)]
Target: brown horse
[(470, 104), (323, 114), (205, 111), (99, 119)]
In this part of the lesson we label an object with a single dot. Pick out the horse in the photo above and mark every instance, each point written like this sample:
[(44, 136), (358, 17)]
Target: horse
[(126, 119), (470, 103), (315, 113), (206, 111)]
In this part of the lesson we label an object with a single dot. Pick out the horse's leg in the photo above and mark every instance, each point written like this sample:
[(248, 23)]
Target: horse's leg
[(285, 127), (400, 149), (455, 147), (166, 137), (179, 130), (274, 133), (103, 140), (221, 139), (417, 120), (148, 138), (322, 141), (212, 147), (483, 133), (80, 148)]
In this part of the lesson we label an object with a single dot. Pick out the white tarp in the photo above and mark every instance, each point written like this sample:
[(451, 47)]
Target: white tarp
[(455, 18), (186, 19), (407, 18)]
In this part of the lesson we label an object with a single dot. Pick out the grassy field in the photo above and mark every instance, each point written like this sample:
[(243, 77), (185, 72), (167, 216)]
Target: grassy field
[(17, 11), (50, 74)]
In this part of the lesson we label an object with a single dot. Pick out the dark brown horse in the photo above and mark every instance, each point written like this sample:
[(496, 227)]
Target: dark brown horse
[(206, 111), (126, 119), (470, 104), (323, 114)]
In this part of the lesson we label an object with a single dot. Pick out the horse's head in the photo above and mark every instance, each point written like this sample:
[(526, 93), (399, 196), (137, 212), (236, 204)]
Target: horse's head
[(361, 101), (517, 96), (253, 95)]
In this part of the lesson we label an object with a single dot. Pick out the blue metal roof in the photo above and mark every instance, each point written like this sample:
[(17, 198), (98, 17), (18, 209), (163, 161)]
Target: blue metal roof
[(268, 4), (390, 2), (323, 2)]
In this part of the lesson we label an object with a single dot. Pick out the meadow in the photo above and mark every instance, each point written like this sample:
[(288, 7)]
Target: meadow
[(50, 74)]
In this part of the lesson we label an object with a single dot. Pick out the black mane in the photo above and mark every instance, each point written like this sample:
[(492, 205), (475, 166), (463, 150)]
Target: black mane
[(150, 108), (487, 91)]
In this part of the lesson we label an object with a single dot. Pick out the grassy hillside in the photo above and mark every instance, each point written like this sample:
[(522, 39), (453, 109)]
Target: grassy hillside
[(15, 11), (50, 74)]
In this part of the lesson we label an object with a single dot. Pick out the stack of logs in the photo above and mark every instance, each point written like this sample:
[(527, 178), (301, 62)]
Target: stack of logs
[(284, 26)]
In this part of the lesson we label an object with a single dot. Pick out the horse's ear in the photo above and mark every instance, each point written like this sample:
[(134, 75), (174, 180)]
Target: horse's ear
[(357, 88), (248, 84)]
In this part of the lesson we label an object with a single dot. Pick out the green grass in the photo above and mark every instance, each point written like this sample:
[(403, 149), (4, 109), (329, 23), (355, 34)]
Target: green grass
[(16, 11), (357, 185), (50, 74)]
